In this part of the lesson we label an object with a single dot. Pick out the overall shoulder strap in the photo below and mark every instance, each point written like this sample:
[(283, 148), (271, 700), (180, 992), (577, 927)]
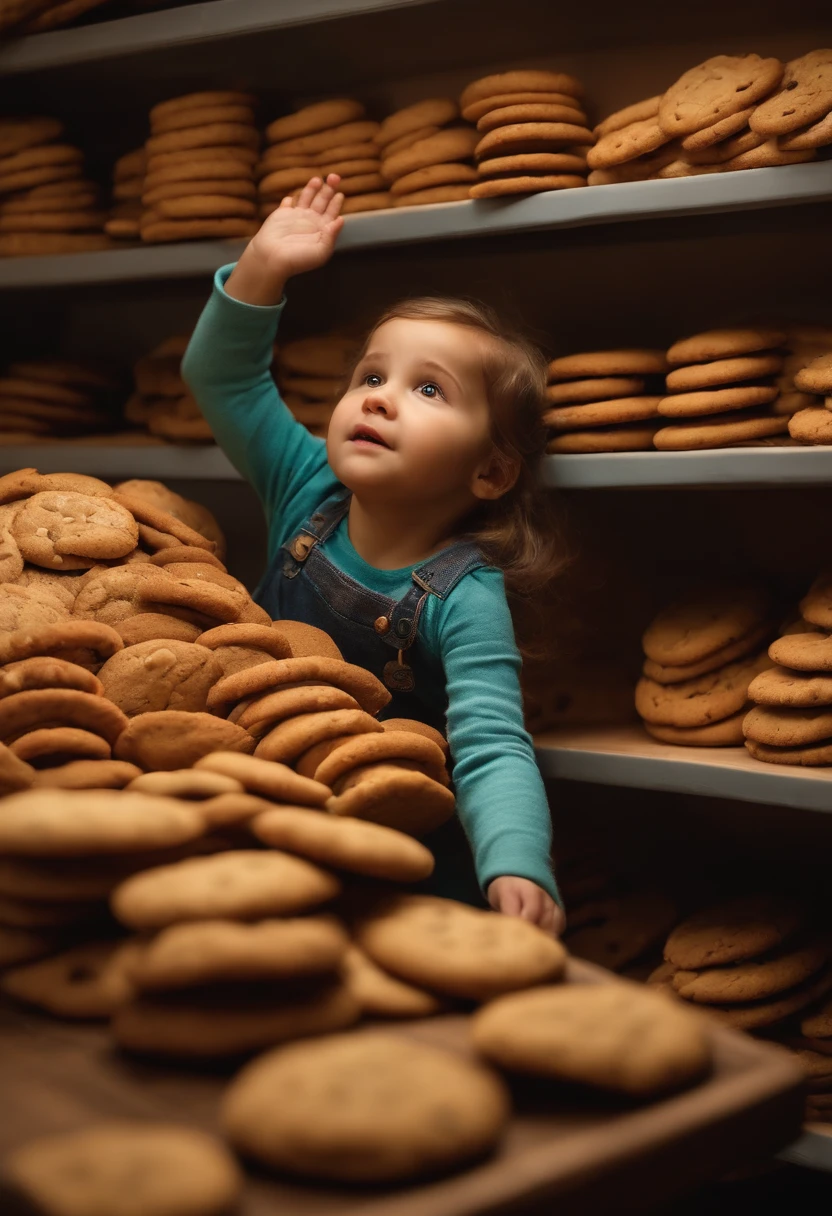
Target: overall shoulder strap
[(320, 525)]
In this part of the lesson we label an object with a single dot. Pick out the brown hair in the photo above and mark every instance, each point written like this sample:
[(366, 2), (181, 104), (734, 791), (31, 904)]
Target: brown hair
[(521, 532)]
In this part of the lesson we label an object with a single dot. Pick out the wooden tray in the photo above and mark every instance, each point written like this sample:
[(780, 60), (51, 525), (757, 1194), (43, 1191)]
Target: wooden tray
[(581, 1153)]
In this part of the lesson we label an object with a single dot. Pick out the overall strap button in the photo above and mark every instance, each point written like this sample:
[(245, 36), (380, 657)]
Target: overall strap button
[(403, 627), (300, 547), (381, 624)]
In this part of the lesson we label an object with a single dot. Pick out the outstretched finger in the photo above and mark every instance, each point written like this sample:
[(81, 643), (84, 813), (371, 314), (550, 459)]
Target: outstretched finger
[(286, 202), (333, 209), (322, 199), (334, 227), (309, 192)]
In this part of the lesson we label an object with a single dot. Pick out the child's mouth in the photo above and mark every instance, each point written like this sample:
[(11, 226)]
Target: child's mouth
[(367, 435)]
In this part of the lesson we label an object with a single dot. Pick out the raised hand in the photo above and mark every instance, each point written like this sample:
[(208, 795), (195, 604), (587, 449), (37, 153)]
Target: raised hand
[(299, 236)]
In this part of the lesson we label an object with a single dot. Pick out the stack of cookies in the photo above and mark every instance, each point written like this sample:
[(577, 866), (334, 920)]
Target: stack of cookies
[(311, 374), (332, 136), (797, 120), (621, 931), (804, 344), (721, 388), (630, 145), (46, 203), (128, 188), (814, 424), (532, 132), (199, 180), (791, 721), (604, 401), (752, 961), (702, 652), (40, 398), (162, 401), (439, 170)]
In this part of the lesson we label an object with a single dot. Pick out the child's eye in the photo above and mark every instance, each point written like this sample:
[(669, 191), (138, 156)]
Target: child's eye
[(431, 390), (372, 380)]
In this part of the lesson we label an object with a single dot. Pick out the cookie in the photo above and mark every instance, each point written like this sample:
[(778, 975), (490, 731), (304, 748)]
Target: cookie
[(156, 626), (46, 672), (186, 783), (816, 605), (779, 686), (724, 344), (85, 982), (321, 116), (520, 81), (261, 714), (635, 924), (195, 101), (19, 133), (608, 363), (475, 111), (526, 184), (422, 753), (435, 111), (222, 951), (267, 779), (174, 739), (45, 244), (786, 727), (540, 111), (370, 693), (240, 885), (816, 376), (163, 231), (531, 163), (418, 728), (638, 138), (87, 775), (758, 1014), (716, 89), (407, 141), (531, 137), (289, 739), (716, 133), (598, 388), (669, 674), (719, 430), (632, 438), (432, 176), (639, 111), (219, 168), (694, 703), (202, 116), (815, 135), (38, 707), (212, 135), (723, 371), (733, 931), (811, 426), (718, 401), (178, 554), (398, 1093), (232, 810), (159, 675), (240, 187), (803, 651), (755, 980), (345, 844), (395, 797), (805, 96), (44, 823), (15, 774), (456, 144), (57, 744), (454, 949), (348, 169), (706, 620), (436, 194), (195, 206), (768, 154), (360, 131), (601, 413), (122, 1168), (71, 531), (283, 181), (727, 733)]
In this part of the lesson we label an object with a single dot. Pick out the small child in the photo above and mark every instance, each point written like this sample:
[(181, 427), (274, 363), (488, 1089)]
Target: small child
[(416, 512)]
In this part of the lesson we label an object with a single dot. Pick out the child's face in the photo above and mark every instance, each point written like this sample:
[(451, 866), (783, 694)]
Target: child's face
[(414, 424)]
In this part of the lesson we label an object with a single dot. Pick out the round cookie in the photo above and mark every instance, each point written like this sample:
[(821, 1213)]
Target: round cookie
[(51, 744), (523, 81), (71, 531), (815, 135), (639, 111), (383, 996), (717, 401), (597, 388), (527, 184), (816, 605), (162, 231), (808, 756), (727, 733), (456, 144), (733, 931), (803, 651), (206, 206), (532, 162), (719, 430), (196, 101), (504, 116), (261, 714), (345, 844), (156, 627), (321, 116), (436, 111), (707, 137), (531, 137), (289, 739), (269, 780), (89, 981), (436, 194), (46, 672), (805, 96), (633, 925), (475, 111), (19, 133), (779, 686), (757, 1014), (785, 727), (122, 1168), (239, 885), (724, 344), (716, 89), (613, 1036), (188, 783), (158, 675), (174, 739), (632, 438), (386, 746), (754, 980), (608, 363), (334, 137), (203, 116), (601, 413), (455, 949), (370, 693), (434, 175), (212, 135), (409, 1109), (87, 775), (700, 701), (84, 642), (40, 707), (723, 371), (707, 619), (638, 138), (394, 796), (668, 674), (407, 141), (811, 426), (222, 951)]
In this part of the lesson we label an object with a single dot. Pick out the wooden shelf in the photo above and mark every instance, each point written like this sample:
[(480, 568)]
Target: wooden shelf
[(627, 756), (168, 462), (749, 468), (785, 186)]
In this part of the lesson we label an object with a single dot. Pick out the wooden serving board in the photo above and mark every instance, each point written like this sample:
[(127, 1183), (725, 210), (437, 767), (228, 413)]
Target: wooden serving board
[(581, 1152)]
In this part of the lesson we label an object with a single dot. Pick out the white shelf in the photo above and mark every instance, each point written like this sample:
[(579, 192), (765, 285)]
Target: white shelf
[(169, 462), (627, 756), (187, 25), (812, 1150), (748, 468), (784, 186)]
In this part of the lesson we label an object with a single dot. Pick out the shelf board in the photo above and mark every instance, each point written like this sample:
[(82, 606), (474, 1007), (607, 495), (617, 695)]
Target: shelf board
[(812, 1150), (715, 193), (186, 25), (627, 756), (169, 462), (741, 467)]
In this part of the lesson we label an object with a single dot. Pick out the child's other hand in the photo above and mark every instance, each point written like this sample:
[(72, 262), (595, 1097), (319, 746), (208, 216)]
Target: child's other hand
[(297, 237), (522, 897)]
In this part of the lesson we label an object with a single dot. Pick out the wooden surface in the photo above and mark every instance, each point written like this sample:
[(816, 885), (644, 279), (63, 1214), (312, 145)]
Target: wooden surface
[(580, 1153)]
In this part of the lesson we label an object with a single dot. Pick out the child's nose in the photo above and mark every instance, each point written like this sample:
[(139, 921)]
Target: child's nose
[(377, 402)]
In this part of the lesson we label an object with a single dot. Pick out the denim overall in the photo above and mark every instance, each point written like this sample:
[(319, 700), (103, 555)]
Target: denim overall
[(381, 635)]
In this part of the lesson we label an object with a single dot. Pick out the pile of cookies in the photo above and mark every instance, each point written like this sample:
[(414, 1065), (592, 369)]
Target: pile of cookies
[(329, 137), (126, 209), (791, 721), (43, 398), (46, 203), (721, 389), (604, 401), (311, 374), (161, 400), (702, 652), (730, 112), (533, 132), (427, 155), (199, 176), (813, 424)]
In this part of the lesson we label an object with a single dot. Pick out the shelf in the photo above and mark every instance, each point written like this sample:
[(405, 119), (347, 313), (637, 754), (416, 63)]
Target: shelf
[(728, 467), (752, 189), (627, 756), (187, 25), (117, 461), (812, 1150)]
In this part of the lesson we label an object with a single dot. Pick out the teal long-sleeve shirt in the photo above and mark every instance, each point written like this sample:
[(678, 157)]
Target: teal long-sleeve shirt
[(501, 800)]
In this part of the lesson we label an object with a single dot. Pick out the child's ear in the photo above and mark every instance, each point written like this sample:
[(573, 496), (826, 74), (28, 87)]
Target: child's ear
[(495, 476)]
